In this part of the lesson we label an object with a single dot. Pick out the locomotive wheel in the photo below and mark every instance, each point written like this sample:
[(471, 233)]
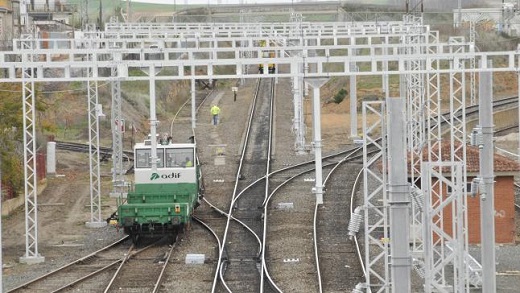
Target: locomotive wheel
[(172, 238), (135, 237)]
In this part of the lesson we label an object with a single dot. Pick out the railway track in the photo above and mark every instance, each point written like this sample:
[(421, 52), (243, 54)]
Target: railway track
[(113, 268), (505, 130), (498, 105), (239, 267), (336, 257), (104, 152), (152, 259), (287, 182), (328, 242), (92, 273), (77, 271), (180, 126), (251, 249)]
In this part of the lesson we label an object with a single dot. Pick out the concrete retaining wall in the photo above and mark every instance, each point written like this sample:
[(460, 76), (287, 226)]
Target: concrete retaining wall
[(10, 205)]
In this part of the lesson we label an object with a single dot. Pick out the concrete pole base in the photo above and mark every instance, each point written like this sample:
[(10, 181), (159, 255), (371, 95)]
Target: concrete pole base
[(32, 259), (95, 224)]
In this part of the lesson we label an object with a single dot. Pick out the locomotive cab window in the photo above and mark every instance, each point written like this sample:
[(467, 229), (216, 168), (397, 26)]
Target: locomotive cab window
[(167, 157), (179, 157), (143, 158), (170, 158)]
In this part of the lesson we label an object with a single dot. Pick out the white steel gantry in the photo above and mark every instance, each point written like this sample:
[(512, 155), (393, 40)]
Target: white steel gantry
[(275, 35), (288, 34), (381, 51)]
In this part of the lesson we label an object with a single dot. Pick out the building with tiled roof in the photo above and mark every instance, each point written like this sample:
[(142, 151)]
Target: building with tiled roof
[(504, 195)]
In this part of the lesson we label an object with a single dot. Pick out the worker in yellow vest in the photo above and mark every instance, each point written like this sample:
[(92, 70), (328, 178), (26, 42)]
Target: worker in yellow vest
[(215, 111), (188, 162)]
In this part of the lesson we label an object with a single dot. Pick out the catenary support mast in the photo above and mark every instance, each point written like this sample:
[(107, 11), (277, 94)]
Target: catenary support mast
[(117, 125), (29, 140), (94, 113), (28, 43), (399, 197), (487, 200)]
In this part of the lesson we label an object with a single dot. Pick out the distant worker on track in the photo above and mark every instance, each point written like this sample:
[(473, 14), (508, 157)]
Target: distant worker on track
[(215, 111)]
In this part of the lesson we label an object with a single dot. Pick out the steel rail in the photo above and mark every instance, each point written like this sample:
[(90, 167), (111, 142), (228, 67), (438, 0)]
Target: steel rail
[(84, 148), (186, 103), (123, 261), (315, 230), (505, 130), (120, 261), (86, 277), (203, 224), (358, 249), (264, 270), (163, 269)]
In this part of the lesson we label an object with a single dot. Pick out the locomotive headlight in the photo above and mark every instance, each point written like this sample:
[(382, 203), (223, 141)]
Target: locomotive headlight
[(177, 209)]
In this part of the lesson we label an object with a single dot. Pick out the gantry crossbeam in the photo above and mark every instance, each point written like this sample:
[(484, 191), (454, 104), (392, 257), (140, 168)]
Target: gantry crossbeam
[(73, 62)]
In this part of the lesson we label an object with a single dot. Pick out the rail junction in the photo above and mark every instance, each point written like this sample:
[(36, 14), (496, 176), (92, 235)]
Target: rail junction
[(309, 54)]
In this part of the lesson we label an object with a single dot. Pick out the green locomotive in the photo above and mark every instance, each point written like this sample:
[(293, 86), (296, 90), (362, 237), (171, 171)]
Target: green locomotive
[(162, 200)]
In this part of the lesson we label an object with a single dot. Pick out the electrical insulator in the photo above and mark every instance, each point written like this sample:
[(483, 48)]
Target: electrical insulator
[(476, 138), (418, 198), (359, 288), (482, 188), (473, 136), (474, 187), (355, 222), (418, 266)]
